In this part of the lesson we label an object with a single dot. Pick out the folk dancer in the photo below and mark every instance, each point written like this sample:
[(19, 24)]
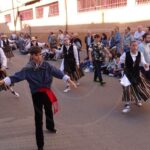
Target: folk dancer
[(39, 74), (135, 87), (6, 46), (3, 74), (70, 63), (97, 52)]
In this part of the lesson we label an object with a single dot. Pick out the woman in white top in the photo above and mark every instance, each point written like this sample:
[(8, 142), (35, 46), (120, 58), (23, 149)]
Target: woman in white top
[(135, 86), (3, 74), (70, 64)]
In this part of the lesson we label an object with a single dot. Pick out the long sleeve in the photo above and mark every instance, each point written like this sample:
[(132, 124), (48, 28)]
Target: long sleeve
[(17, 77), (143, 62), (59, 74), (75, 51), (122, 58), (3, 59), (2, 44)]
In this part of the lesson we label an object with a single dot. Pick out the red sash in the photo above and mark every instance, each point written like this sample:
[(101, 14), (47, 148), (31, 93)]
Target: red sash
[(51, 97)]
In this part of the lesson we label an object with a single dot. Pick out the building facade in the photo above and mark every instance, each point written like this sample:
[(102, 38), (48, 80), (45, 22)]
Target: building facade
[(44, 16)]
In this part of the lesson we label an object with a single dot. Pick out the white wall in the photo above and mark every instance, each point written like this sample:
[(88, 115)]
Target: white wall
[(130, 13)]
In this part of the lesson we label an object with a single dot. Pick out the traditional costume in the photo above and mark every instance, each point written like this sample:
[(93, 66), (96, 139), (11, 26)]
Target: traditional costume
[(39, 77), (5, 45), (70, 63), (135, 87), (97, 56), (3, 74)]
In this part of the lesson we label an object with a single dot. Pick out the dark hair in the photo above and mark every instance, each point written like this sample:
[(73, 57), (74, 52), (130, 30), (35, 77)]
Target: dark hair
[(34, 50), (104, 36), (129, 28), (148, 28), (96, 36), (145, 35)]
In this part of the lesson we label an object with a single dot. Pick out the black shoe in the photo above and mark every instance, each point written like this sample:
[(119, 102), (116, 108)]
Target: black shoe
[(40, 148), (52, 130), (102, 82)]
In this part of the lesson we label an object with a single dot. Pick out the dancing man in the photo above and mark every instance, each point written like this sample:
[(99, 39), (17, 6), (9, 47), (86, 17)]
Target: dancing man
[(39, 74)]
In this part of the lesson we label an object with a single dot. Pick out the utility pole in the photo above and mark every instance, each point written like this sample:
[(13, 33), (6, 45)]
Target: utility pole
[(66, 11), (14, 18)]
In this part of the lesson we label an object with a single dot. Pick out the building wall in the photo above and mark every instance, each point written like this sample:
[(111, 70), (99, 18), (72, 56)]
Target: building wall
[(100, 20)]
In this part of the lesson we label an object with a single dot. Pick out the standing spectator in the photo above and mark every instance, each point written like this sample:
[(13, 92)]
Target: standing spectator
[(117, 40), (145, 49), (127, 38), (60, 38), (104, 40), (112, 40), (50, 37), (138, 34), (88, 41)]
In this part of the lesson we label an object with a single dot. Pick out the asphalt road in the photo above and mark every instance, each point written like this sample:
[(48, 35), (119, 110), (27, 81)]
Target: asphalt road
[(89, 117)]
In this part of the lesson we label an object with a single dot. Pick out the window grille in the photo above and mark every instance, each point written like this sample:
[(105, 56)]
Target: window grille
[(26, 14), (39, 12), (86, 5), (53, 9), (142, 1)]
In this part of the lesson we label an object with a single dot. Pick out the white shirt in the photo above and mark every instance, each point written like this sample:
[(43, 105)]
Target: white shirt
[(75, 52), (124, 80), (3, 59), (123, 56)]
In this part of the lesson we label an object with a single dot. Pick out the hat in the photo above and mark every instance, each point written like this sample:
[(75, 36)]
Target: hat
[(33, 38), (4, 36), (34, 50)]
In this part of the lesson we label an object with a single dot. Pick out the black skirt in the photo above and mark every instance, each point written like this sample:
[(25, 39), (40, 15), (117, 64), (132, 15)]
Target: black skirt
[(136, 92), (2, 76), (8, 51)]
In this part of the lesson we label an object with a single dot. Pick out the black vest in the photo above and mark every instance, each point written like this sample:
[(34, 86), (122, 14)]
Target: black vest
[(68, 54), (132, 69), (69, 59), (35, 44), (5, 43)]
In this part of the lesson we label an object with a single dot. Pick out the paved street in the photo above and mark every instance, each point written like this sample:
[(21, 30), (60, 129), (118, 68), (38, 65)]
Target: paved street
[(89, 117)]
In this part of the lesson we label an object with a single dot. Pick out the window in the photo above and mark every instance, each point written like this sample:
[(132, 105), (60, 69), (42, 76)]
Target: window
[(53, 9), (26, 14), (142, 1), (85, 5), (39, 12), (8, 18), (111, 3)]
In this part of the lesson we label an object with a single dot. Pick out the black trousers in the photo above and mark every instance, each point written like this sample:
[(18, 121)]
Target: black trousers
[(87, 51), (97, 70), (40, 100)]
